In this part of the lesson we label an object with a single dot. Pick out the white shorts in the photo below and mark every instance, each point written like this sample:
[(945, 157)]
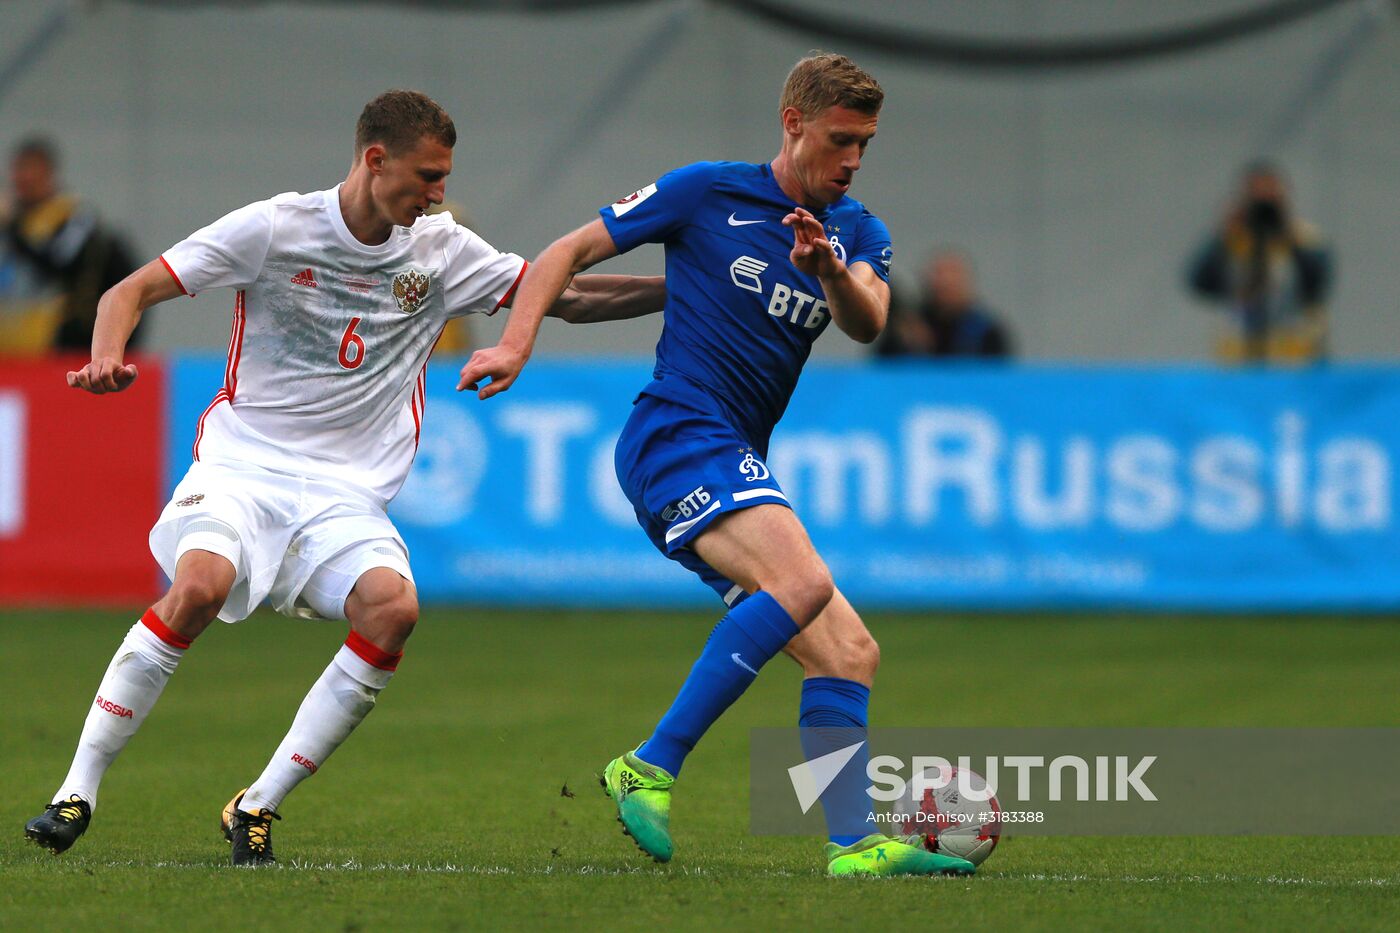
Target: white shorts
[(302, 542)]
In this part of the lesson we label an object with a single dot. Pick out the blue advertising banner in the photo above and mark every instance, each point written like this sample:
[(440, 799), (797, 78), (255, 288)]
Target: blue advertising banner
[(932, 486)]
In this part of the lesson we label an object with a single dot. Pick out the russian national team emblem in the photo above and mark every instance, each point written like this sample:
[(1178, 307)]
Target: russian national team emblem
[(410, 290), (752, 468)]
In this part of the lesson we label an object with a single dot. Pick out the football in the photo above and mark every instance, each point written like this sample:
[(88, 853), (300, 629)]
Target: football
[(957, 814)]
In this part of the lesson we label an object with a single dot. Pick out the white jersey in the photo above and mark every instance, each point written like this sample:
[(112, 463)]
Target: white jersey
[(331, 337)]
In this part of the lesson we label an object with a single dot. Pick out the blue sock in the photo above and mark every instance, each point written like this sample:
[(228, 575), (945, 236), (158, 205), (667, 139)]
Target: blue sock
[(833, 716), (742, 642)]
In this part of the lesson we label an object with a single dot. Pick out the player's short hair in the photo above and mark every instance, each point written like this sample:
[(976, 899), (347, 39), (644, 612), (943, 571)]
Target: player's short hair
[(398, 119), (824, 79), (1257, 167), (37, 147)]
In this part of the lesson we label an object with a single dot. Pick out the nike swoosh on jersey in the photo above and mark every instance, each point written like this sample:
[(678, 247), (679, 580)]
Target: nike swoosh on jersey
[(740, 661), (733, 222)]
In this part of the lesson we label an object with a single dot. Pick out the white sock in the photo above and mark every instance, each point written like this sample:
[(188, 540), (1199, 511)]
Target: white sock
[(338, 701), (133, 682)]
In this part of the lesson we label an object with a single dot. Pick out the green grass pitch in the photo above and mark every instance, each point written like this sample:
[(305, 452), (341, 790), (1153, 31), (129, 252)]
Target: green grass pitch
[(445, 810)]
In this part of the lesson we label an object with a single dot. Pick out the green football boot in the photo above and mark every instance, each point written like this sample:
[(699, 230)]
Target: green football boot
[(642, 793), (878, 854)]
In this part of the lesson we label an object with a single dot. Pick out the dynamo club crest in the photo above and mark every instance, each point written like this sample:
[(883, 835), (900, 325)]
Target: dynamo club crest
[(752, 467)]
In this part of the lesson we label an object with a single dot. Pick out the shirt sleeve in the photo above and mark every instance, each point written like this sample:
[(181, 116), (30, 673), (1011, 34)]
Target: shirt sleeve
[(654, 213), (479, 278), (230, 251), (873, 245)]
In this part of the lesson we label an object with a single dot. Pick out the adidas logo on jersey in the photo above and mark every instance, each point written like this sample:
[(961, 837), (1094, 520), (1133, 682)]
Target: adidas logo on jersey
[(305, 277)]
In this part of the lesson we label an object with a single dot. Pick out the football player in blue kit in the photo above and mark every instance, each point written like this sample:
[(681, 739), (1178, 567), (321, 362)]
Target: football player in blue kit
[(760, 259)]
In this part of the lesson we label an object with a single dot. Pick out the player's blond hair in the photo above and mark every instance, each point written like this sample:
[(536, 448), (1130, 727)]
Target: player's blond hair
[(824, 79), (398, 119)]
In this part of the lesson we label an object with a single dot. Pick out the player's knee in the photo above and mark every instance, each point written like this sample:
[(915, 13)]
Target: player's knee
[(395, 613), (837, 651), (192, 603), (864, 652), (804, 595), (396, 618), (403, 616), (853, 655)]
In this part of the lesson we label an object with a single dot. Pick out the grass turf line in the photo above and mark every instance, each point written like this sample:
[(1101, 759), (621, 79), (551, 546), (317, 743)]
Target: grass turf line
[(445, 809)]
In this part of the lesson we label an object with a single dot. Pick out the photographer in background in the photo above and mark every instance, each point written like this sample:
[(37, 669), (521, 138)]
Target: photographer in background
[(950, 319), (1271, 272), (56, 259)]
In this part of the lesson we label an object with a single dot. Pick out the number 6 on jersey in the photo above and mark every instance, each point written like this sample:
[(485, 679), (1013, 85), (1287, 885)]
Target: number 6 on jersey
[(352, 339)]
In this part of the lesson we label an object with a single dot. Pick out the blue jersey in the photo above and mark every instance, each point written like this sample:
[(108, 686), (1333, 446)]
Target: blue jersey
[(740, 319)]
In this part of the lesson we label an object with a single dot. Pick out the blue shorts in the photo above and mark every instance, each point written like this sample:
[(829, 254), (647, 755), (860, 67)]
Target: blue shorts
[(683, 467)]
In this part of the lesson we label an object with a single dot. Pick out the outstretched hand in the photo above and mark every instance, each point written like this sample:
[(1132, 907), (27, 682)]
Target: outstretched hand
[(812, 252), (102, 376), (501, 364)]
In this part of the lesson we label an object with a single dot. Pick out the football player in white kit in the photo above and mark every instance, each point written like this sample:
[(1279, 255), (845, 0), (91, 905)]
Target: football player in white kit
[(341, 295)]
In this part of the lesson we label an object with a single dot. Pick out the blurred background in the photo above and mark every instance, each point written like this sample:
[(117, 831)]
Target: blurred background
[(1121, 202)]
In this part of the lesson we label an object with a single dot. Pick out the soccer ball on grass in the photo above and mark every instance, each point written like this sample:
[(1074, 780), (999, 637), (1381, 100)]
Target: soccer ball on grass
[(956, 813)]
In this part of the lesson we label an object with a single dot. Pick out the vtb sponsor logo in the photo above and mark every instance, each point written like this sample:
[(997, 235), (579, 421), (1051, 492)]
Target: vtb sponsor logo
[(305, 762), (116, 709), (684, 508), (784, 301)]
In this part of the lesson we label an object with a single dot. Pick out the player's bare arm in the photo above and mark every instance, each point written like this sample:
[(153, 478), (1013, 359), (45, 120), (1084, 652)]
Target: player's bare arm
[(859, 299), (118, 313), (593, 299), (544, 282)]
